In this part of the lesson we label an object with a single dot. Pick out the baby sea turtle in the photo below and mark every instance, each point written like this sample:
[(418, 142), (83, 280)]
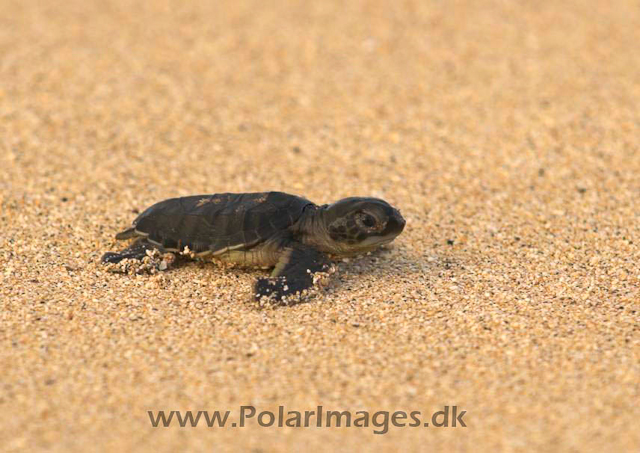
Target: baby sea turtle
[(269, 229)]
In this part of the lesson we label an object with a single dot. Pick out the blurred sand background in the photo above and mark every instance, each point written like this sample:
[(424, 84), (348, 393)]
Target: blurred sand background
[(507, 132)]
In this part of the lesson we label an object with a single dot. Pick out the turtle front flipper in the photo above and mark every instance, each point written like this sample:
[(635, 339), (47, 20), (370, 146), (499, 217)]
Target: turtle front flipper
[(136, 251), (293, 273)]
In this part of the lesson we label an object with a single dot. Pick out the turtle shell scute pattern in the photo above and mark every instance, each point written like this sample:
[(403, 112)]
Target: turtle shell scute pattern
[(220, 221)]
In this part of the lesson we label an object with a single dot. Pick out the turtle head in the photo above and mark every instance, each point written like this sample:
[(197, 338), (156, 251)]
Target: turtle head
[(356, 225)]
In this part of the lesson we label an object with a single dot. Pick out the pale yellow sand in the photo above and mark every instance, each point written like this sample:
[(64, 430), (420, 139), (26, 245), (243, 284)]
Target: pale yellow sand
[(509, 128)]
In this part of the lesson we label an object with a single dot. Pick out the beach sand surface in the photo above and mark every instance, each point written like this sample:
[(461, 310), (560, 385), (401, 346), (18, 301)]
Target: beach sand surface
[(507, 133)]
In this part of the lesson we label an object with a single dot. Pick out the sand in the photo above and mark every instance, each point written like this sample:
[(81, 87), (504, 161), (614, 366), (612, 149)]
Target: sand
[(506, 132)]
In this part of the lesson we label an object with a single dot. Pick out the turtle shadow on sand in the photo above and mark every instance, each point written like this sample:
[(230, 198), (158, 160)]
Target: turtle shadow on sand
[(396, 263), (387, 263)]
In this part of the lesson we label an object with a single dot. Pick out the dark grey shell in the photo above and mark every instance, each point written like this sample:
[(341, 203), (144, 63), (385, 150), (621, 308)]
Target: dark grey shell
[(217, 223)]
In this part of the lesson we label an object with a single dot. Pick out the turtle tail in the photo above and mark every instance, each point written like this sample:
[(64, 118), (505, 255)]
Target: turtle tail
[(127, 234)]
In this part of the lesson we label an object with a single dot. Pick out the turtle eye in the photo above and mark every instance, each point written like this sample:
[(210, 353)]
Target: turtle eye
[(368, 220)]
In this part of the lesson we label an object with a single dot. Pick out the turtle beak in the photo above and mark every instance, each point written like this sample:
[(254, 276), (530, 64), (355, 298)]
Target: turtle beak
[(396, 223), (400, 221)]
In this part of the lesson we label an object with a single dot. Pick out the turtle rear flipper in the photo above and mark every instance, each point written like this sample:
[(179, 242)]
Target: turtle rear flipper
[(293, 273), (136, 251)]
